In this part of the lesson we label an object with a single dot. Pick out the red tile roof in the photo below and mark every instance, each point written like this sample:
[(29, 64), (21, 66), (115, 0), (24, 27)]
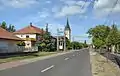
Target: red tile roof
[(30, 30), (7, 35)]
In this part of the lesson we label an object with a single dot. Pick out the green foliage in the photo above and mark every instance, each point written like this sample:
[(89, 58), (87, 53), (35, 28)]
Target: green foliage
[(68, 44), (99, 35), (3, 25), (21, 43), (113, 36), (76, 45), (97, 42), (47, 43), (11, 28)]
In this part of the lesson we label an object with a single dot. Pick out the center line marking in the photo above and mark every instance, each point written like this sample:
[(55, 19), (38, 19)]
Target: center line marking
[(73, 55), (47, 68), (66, 58)]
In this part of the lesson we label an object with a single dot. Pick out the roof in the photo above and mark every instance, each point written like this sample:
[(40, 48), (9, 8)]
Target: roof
[(67, 27), (30, 30), (7, 35)]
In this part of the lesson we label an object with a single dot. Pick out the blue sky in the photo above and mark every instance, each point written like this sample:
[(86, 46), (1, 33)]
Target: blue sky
[(54, 12)]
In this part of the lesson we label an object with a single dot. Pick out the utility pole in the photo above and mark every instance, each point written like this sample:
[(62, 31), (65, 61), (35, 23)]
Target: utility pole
[(57, 40), (72, 44)]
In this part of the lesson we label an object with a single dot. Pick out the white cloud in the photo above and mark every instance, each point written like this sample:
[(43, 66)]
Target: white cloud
[(18, 3), (83, 16), (103, 7), (72, 7), (73, 2), (70, 2), (48, 1), (70, 10), (55, 9), (55, 26), (43, 14), (35, 18)]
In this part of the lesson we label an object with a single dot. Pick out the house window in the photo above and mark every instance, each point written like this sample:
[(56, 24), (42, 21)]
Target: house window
[(27, 36)]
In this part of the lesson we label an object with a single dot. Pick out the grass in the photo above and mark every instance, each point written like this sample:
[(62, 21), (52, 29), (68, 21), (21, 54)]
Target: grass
[(25, 56)]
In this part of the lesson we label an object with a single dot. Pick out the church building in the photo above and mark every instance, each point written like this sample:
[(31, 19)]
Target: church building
[(68, 30)]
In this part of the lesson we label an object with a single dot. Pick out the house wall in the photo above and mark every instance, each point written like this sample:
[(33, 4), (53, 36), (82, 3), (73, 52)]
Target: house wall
[(28, 43), (68, 34), (10, 46), (7, 46), (24, 35)]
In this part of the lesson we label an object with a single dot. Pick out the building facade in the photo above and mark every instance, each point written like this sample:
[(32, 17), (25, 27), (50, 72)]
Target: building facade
[(8, 42), (30, 35)]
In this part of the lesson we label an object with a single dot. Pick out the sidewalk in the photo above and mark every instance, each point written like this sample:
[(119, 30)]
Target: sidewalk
[(102, 67), (12, 64)]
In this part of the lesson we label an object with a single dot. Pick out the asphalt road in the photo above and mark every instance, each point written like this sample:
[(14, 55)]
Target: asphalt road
[(76, 63)]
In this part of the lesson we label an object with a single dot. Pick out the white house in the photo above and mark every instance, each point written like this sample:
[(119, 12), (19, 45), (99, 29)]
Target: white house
[(8, 41), (30, 34)]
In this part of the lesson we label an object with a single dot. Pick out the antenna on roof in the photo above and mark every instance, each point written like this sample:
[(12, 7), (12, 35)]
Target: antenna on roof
[(46, 27)]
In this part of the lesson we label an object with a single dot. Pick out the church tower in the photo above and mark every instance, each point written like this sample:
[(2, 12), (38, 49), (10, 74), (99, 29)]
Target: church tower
[(68, 30)]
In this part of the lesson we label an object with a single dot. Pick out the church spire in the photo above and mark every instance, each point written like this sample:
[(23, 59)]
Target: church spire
[(67, 27)]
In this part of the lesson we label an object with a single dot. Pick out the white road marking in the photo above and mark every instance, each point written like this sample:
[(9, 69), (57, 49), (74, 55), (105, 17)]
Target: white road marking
[(47, 68), (66, 58)]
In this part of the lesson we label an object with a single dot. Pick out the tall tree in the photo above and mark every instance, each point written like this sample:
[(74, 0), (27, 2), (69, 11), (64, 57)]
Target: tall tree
[(3, 25), (47, 42), (113, 37), (99, 35), (11, 28)]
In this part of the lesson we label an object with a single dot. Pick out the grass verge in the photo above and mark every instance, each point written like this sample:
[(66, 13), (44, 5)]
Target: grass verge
[(25, 56)]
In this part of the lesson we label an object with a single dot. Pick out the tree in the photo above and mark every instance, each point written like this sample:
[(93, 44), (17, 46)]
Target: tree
[(21, 43), (11, 28), (76, 45), (3, 25), (113, 37), (99, 35), (46, 42), (68, 44)]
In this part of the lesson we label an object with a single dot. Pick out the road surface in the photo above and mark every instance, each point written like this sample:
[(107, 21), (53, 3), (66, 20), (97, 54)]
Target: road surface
[(76, 63)]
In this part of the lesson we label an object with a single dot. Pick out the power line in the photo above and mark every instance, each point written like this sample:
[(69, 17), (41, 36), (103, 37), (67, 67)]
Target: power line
[(84, 4), (114, 5)]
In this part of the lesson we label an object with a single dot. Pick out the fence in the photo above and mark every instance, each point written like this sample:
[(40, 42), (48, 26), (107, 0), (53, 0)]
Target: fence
[(18, 49)]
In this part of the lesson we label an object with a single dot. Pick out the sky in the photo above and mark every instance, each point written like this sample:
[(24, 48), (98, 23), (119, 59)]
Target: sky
[(82, 14)]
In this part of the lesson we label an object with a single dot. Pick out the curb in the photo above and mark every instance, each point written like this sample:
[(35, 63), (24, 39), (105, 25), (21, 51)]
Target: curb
[(17, 63)]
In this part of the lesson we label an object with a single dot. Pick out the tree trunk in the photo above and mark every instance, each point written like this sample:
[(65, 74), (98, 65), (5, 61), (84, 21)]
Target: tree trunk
[(117, 48), (113, 49)]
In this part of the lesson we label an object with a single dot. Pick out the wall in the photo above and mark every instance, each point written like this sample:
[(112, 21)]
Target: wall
[(28, 43), (68, 34), (24, 35), (7, 45)]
